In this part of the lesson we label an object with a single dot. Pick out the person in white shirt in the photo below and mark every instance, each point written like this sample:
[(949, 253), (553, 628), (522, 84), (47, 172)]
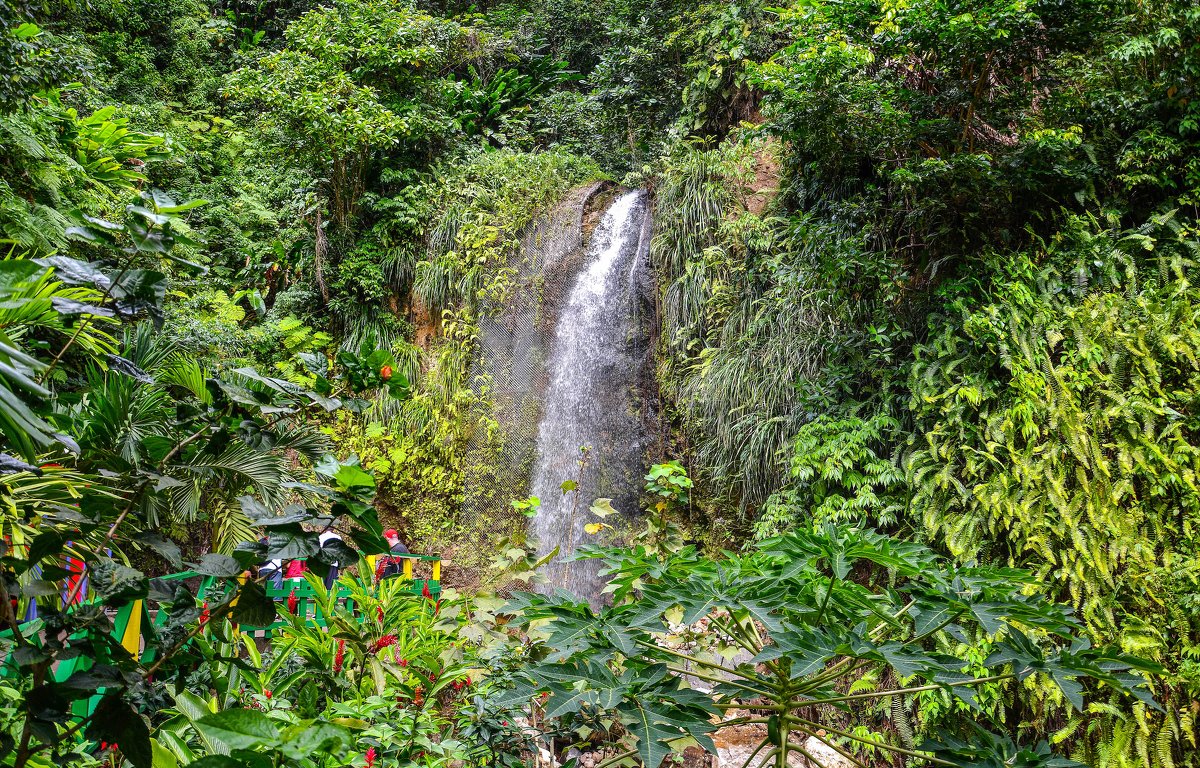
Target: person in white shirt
[(334, 568)]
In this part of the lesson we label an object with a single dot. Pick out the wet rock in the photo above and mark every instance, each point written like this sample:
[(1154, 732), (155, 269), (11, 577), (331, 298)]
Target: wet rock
[(825, 755), (736, 745), (695, 757)]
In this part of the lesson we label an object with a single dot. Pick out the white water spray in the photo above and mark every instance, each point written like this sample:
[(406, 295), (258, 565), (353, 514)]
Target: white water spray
[(589, 399)]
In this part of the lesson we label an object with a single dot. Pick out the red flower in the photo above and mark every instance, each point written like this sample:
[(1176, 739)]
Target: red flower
[(292, 602), (339, 658), (267, 692), (404, 662), (385, 372), (379, 613), (425, 591), (371, 757), (504, 723), (382, 643), (204, 614), (433, 678)]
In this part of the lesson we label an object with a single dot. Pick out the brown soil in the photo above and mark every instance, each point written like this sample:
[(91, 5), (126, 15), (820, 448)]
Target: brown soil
[(765, 186), (425, 325)]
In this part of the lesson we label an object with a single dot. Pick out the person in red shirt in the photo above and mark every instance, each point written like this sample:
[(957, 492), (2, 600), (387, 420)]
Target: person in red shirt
[(391, 565), (295, 569)]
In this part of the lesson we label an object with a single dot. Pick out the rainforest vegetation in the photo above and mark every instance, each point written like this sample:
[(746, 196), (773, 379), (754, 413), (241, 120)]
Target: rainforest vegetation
[(926, 370)]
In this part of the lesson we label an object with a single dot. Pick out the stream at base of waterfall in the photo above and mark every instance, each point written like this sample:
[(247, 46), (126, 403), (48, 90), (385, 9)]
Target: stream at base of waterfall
[(590, 399)]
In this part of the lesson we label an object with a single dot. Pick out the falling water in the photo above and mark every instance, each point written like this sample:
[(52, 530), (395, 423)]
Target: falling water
[(589, 401)]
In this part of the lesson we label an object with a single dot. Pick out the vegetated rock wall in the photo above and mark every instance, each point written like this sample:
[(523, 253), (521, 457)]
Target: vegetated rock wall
[(510, 376)]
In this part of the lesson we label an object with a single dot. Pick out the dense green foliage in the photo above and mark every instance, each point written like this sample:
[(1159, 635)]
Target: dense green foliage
[(775, 631), (923, 266), (966, 316)]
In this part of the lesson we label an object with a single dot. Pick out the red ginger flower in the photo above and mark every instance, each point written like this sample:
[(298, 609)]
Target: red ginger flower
[(379, 613), (371, 754), (204, 614), (292, 602), (425, 591), (404, 662), (339, 658), (267, 692), (382, 643)]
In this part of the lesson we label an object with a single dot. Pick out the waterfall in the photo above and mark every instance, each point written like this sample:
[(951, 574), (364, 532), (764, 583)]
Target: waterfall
[(590, 399)]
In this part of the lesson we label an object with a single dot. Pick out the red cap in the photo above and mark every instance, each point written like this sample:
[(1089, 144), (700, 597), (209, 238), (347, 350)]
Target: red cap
[(390, 533)]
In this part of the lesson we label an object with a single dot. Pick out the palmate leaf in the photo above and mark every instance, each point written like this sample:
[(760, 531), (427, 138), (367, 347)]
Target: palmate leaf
[(572, 634), (807, 624), (514, 697), (653, 733), (985, 749), (655, 724), (569, 699), (763, 611), (808, 650)]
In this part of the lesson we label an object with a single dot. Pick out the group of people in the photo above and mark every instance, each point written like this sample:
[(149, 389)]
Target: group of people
[(389, 566)]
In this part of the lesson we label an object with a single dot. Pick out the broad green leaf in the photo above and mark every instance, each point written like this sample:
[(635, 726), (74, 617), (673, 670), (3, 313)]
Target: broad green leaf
[(240, 728)]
